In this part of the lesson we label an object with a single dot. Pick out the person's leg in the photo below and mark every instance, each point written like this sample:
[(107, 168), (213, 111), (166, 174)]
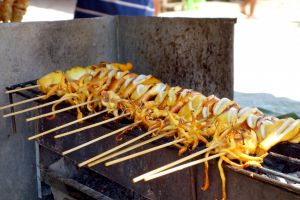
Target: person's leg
[(243, 6), (156, 7), (252, 7)]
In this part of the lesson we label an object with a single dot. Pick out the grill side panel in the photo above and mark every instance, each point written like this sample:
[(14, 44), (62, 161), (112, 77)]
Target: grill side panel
[(191, 53)]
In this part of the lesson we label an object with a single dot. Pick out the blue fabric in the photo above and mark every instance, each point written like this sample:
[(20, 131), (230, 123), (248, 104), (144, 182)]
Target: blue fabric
[(96, 8)]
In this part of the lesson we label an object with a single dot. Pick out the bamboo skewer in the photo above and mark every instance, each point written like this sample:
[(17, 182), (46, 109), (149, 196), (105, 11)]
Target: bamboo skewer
[(33, 108), (59, 111), (100, 138), (143, 152), (21, 89), (66, 125), (127, 149), (116, 148), (172, 164), (90, 126), (181, 167), (22, 102)]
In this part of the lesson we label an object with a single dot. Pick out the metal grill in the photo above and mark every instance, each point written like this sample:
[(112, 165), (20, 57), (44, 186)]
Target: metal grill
[(156, 46), (281, 167)]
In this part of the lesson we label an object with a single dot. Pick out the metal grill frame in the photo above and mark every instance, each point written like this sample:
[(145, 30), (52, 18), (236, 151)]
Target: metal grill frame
[(252, 173)]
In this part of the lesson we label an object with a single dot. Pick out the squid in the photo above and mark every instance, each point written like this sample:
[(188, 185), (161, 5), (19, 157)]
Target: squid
[(243, 135), (13, 10)]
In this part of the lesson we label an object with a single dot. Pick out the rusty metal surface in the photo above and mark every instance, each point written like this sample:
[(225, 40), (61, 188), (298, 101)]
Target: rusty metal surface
[(67, 185), (191, 53), (240, 185), (100, 185), (273, 189), (122, 173), (186, 184)]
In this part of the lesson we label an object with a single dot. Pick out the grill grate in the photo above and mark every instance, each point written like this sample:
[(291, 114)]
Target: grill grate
[(25, 94)]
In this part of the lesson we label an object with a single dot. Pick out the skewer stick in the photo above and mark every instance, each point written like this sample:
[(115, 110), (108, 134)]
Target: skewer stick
[(66, 125), (21, 89), (116, 148), (22, 102), (59, 111), (100, 138), (143, 152), (181, 167), (33, 108), (172, 164), (127, 149), (90, 126)]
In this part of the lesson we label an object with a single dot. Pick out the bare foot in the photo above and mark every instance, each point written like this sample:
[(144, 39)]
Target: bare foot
[(243, 9), (251, 17)]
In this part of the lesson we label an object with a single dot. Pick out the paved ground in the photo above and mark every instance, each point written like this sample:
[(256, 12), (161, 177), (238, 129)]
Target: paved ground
[(50, 10), (266, 48)]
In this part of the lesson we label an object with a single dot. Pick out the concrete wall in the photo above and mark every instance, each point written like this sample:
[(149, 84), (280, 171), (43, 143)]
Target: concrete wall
[(27, 51)]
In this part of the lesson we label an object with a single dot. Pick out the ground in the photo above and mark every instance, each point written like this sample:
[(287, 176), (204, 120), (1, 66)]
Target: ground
[(265, 52)]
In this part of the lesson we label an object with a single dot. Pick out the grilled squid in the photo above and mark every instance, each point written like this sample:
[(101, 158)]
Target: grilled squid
[(13, 10), (242, 135)]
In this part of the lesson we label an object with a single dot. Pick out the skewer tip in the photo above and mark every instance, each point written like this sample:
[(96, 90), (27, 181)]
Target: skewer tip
[(135, 180), (81, 165), (30, 138), (138, 179)]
